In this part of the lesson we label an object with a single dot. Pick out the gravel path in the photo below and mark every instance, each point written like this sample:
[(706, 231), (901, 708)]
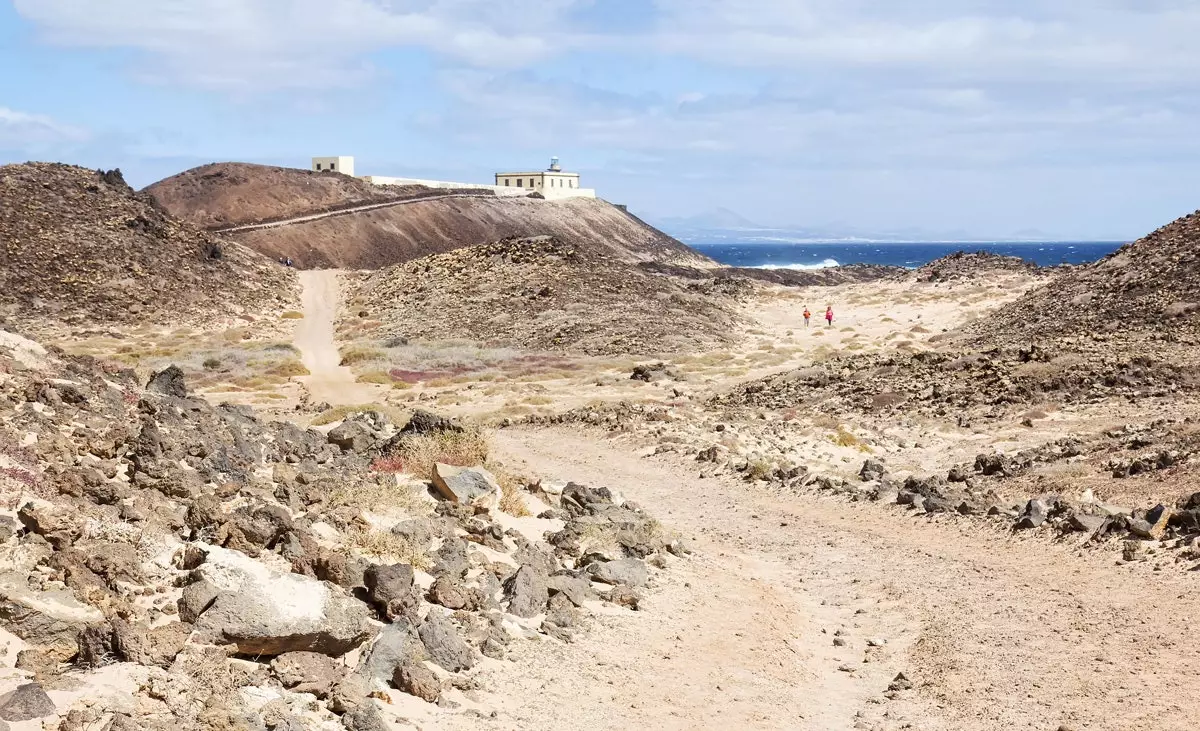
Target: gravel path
[(994, 631), (329, 380)]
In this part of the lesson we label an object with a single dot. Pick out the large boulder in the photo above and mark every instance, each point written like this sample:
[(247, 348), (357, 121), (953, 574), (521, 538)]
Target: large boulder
[(444, 645), (26, 703), (626, 572), (527, 592), (396, 646), (168, 382), (391, 588), (265, 612), (466, 485), (49, 620)]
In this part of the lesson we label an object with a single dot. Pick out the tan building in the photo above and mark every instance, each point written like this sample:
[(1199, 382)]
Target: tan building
[(551, 182), (341, 164)]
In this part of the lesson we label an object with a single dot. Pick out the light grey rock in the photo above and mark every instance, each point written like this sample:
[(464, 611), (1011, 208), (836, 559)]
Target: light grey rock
[(267, 613), (627, 571)]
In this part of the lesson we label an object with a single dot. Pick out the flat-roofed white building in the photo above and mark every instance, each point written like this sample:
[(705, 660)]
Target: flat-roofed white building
[(551, 182), (341, 164)]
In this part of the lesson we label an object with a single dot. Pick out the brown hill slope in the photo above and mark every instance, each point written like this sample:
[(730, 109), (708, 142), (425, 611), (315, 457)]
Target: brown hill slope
[(544, 293), (234, 193), (228, 194), (1148, 290), (79, 244)]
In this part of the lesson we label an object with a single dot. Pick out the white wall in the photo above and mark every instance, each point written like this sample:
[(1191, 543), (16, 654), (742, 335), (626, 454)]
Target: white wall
[(343, 164), (498, 190)]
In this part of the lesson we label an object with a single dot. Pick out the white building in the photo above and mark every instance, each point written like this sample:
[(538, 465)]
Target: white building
[(551, 182), (341, 164)]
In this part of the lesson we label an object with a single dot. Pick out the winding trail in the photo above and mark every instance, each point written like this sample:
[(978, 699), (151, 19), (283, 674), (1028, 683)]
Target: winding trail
[(329, 381), (344, 212), (797, 612)]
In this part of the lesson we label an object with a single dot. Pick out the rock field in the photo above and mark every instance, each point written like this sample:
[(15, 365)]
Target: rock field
[(170, 564), (80, 246)]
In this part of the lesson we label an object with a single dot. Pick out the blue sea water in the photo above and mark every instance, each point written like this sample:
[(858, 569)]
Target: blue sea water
[(768, 255)]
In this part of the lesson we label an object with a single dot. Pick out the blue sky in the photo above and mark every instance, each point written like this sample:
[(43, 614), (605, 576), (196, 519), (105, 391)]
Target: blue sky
[(1080, 119)]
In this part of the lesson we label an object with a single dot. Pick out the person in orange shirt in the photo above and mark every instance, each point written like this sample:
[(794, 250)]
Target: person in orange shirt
[(807, 315)]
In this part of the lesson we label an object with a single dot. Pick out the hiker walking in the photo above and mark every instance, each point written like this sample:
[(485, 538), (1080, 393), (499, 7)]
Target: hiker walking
[(829, 317), (807, 315)]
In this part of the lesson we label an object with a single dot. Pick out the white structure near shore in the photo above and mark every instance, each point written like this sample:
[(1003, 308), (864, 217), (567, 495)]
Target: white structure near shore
[(340, 164), (552, 183)]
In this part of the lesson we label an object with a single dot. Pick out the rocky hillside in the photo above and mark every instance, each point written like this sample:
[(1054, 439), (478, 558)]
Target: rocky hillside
[(81, 245), (1149, 289), (227, 194), (168, 564), (963, 265), (233, 193), (546, 293)]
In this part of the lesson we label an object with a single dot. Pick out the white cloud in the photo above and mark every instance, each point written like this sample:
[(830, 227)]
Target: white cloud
[(245, 45), (35, 132)]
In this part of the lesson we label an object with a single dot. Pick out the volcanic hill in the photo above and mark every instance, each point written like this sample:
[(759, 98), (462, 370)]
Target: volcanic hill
[(80, 245), (544, 293), (1148, 290), (229, 194)]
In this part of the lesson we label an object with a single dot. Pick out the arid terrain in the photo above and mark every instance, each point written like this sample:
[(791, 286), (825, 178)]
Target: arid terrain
[(556, 479)]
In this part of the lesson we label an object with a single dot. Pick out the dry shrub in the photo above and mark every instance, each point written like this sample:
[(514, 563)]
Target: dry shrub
[(289, 368), (337, 413), (418, 453), (511, 487), (843, 438), (354, 355), (386, 494), (387, 547), (379, 377), (292, 315), (887, 399)]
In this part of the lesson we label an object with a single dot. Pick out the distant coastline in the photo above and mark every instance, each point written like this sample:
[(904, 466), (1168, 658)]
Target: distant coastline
[(801, 254)]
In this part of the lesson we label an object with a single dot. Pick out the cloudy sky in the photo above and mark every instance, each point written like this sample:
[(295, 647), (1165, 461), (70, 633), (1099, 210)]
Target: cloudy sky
[(1080, 118)]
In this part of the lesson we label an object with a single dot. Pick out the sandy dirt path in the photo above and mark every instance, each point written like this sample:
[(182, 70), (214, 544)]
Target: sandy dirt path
[(329, 381), (995, 631)]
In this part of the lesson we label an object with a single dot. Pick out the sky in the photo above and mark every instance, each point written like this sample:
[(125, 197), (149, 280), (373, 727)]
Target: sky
[(1079, 119)]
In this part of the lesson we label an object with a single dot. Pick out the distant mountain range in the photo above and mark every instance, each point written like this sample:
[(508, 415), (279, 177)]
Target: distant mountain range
[(722, 223)]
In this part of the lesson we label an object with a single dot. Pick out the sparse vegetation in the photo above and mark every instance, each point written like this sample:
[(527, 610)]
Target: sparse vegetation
[(292, 315)]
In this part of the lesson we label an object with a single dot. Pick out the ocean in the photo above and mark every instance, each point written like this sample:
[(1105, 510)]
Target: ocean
[(771, 255)]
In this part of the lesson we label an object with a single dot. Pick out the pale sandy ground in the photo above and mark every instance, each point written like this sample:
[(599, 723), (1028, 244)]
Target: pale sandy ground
[(329, 381), (996, 632)]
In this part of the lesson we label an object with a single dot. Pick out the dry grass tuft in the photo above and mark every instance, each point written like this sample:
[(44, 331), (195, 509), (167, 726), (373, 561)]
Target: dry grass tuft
[(292, 315), (388, 547), (355, 354), (290, 368), (385, 495), (420, 452), (337, 413), (843, 438)]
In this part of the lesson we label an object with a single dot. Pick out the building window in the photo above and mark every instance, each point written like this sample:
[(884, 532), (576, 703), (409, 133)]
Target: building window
[(520, 182), (333, 166), (507, 182), (318, 166)]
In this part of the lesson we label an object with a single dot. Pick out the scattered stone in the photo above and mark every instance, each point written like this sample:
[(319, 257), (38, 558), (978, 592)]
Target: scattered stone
[(419, 681), (307, 672), (168, 382), (444, 646), (872, 471), (466, 485), (26, 703), (527, 592), (629, 572)]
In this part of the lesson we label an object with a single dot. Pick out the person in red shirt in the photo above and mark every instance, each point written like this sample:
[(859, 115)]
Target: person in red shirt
[(807, 315), (828, 317)]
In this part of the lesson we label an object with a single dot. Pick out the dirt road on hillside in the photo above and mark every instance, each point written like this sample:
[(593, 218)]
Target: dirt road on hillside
[(328, 380), (797, 613)]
